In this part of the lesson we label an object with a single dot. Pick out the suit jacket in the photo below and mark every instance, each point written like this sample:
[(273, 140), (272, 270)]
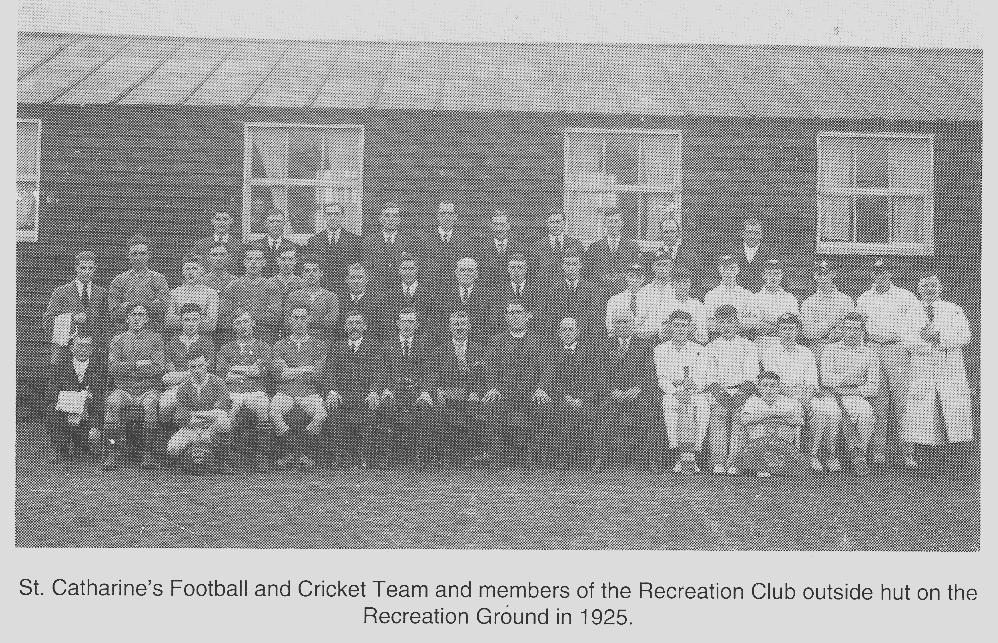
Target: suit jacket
[(66, 299), (381, 258), (625, 370), (404, 375), (605, 268), (582, 304), (394, 298), (568, 372), (750, 273), (235, 246), (370, 306), (440, 259), (353, 374), (271, 254), (334, 258), (94, 380), (493, 266), (513, 366), (444, 371), (503, 294), (479, 309), (547, 260)]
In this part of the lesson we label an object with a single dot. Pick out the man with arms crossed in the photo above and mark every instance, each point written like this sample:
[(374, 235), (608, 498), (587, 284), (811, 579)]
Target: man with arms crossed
[(244, 363), (204, 435), (138, 285)]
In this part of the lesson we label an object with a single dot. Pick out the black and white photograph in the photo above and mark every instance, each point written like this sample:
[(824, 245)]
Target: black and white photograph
[(286, 283)]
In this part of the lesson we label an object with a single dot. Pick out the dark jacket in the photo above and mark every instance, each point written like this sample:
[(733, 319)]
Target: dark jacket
[(94, 380), (616, 370), (445, 372), (605, 269), (353, 374), (271, 254), (479, 308), (404, 375), (440, 259), (334, 258), (381, 258), (547, 260), (513, 366), (394, 298), (582, 304), (568, 372)]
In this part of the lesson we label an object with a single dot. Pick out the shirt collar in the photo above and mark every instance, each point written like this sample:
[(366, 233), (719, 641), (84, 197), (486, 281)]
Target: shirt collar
[(519, 335), (445, 235), (571, 347)]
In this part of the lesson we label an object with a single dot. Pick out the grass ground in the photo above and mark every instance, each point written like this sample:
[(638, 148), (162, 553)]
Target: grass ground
[(77, 505)]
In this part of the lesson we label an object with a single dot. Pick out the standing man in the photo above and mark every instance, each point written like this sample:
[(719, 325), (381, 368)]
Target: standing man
[(82, 302), (245, 364), (570, 297), (136, 362), (938, 404), (850, 377), (685, 410), (353, 379), (334, 248), (254, 294), (518, 286), (885, 305), (443, 247), (275, 242), (792, 362), (217, 275), (467, 296), (405, 290), (513, 388), (634, 278), (656, 300), (607, 259), (360, 299), (626, 391), (221, 222), (74, 410), (380, 250), (569, 371), (404, 399), (550, 249), (495, 252), (204, 431), (771, 303), (298, 361), (822, 313), (193, 291), (729, 293), (323, 306), (752, 255), (138, 285)]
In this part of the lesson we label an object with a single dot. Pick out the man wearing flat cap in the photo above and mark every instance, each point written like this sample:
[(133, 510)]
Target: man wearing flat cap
[(822, 313), (770, 303)]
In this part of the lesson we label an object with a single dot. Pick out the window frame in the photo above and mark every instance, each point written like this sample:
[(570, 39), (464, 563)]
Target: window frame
[(927, 248), (249, 182), (32, 235), (676, 193)]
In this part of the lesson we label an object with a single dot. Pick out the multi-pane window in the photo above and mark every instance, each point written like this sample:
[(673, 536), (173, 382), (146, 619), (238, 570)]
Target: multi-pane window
[(875, 194), (28, 152), (639, 172), (296, 169)]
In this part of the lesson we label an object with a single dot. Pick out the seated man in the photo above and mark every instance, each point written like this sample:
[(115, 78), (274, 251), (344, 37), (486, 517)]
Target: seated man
[(625, 388), (179, 351), (567, 436), (850, 376), (204, 436), (323, 305), (685, 411), (136, 361), (78, 386), (298, 361), (244, 364), (404, 406), (352, 377), (769, 425), (731, 366)]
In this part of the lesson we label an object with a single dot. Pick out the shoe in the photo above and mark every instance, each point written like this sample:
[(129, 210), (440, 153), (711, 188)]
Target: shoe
[(834, 465), (678, 467), (112, 462), (817, 466), (763, 474), (910, 462), (719, 470), (733, 471), (306, 462), (149, 462)]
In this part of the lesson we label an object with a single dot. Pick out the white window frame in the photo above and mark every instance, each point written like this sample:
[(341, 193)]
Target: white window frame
[(865, 248), (32, 235), (676, 194), (249, 182)]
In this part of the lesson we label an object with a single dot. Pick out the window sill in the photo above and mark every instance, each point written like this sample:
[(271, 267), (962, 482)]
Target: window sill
[(894, 250)]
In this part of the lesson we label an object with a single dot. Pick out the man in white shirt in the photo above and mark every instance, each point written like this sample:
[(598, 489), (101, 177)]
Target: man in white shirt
[(685, 412), (770, 423), (682, 285), (728, 292), (730, 368), (884, 305), (634, 277), (193, 291), (793, 363), (822, 312), (771, 303), (656, 300)]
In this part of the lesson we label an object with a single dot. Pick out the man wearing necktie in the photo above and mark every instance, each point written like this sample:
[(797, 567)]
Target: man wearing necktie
[(551, 248), (607, 259), (81, 299), (221, 223), (569, 297), (275, 242), (625, 393), (334, 247), (443, 247), (382, 248), (79, 373), (403, 409), (566, 438), (464, 295)]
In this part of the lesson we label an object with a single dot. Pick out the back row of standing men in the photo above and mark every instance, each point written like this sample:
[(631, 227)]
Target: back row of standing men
[(387, 277)]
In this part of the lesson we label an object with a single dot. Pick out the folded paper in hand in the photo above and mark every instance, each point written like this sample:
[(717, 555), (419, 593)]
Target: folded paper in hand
[(62, 328), (71, 402)]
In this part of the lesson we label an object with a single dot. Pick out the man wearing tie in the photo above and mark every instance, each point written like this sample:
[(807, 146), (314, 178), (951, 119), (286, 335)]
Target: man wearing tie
[(83, 300), (70, 425), (381, 250), (495, 252), (334, 248), (360, 299), (465, 295), (518, 285), (405, 290), (403, 408), (275, 242), (222, 224), (751, 254), (566, 439), (606, 260), (443, 247), (569, 297), (551, 248), (634, 279), (625, 391)]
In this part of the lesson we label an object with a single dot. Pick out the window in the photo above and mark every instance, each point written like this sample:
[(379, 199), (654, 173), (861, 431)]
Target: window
[(875, 194), (295, 168), (28, 153), (638, 172)]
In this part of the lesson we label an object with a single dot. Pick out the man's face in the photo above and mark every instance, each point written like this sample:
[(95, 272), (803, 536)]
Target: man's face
[(355, 326), (311, 274), (752, 235), (407, 324), (222, 222), (298, 321), (138, 256), (517, 270), (217, 257), (623, 326), (568, 330), (612, 223), (459, 327), (286, 261), (192, 272), (137, 318), (254, 262), (390, 220), (357, 280), (680, 329), (466, 272), (198, 367), (275, 225), (772, 277), (82, 349), (446, 220), (682, 288), (787, 332), (768, 389), (190, 322), (662, 269), (500, 226), (243, 325), (824, 281), (85, 270), (556, 225), (407, 271), (728, 326), (571, 267), (516, 318), (670, 231), (928, 289), (729, 272), (333, 217), (852, 332), (634, 281)]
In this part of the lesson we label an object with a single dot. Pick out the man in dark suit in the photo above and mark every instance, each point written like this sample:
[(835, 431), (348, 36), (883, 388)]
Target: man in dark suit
[(442, 248), (570, 297), (406, 290), (566, 439), (335, 248), (518, 286), (464, 295), (359, 298), (626, 386), (83, 300), (79, 375), (275, 242), (403, 411), (222, 224), (453, 385), (353, 376), (381, 250), (605, 260), (494, 252), (551, 248), (512, 384), (752, 254)]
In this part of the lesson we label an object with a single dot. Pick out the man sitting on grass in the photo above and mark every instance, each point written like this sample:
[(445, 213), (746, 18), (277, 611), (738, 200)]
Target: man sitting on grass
[(202, 413), (770, 424)]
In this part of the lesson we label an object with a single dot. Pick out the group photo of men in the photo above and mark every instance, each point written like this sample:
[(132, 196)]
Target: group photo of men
[(482, 348)]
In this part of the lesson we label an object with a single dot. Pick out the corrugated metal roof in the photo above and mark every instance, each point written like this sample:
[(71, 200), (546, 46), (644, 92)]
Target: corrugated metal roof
[(667, 80)]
